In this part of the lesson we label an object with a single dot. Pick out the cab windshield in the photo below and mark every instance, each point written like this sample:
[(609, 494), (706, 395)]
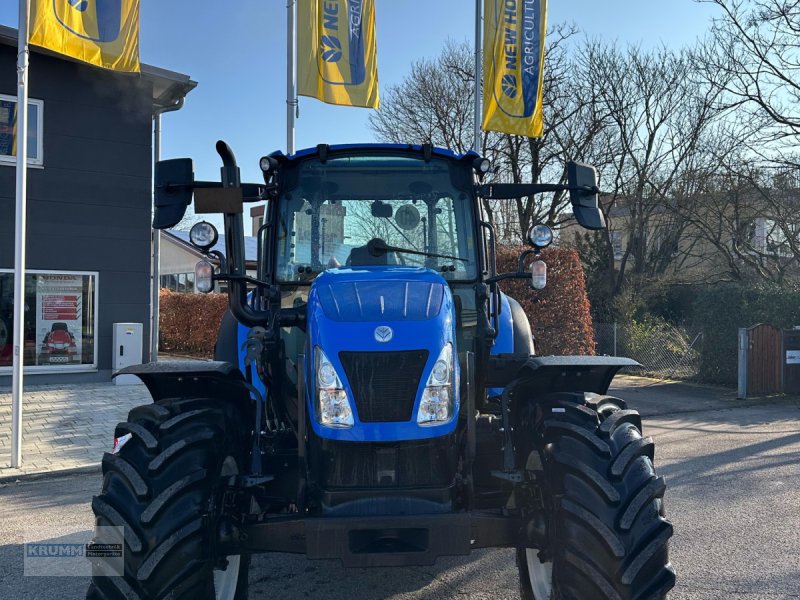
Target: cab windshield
[(334, 214)]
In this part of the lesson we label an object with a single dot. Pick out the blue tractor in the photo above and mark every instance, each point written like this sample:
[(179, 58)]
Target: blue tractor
[(375, 397)]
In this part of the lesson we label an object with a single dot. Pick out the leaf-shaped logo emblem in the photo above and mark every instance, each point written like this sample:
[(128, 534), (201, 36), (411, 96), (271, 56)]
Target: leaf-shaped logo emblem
[(383, 334), (509, 85), (331, 48)]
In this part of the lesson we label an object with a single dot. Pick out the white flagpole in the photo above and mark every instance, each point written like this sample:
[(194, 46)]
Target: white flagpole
[(476, 144), (291, 74), (20, 235)]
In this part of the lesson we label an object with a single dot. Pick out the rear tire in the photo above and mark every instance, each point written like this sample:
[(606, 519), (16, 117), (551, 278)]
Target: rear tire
[(164, 486), (607, 534)]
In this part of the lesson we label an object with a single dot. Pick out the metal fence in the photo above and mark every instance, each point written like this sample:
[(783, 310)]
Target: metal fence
[(662, 349)]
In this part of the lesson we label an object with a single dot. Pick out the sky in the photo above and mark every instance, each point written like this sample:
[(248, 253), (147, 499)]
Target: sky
[(236, 51)]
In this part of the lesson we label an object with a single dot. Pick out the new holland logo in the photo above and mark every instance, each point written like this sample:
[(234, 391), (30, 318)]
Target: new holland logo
[(510, 85), (331, 48), (383, 334), (98, 20)]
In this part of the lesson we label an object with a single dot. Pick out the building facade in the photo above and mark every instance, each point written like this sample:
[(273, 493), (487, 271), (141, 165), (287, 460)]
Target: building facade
[(89, 209)]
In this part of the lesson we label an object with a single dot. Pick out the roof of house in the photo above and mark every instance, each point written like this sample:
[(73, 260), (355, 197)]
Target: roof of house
[(250, 244), (169, 87)]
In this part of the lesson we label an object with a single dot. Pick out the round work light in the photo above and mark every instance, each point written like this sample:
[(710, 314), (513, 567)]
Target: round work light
[(482, 165), (267, 164), (540, 236), (203, 235)]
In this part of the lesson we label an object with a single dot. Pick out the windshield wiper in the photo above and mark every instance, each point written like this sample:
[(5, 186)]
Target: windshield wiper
[(377, 247)]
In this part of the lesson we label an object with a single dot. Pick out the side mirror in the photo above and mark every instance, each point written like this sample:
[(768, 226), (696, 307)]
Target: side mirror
[(582, 180), (173, 191)]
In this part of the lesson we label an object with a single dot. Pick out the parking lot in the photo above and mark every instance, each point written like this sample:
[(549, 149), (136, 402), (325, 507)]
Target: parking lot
[(732, 469)]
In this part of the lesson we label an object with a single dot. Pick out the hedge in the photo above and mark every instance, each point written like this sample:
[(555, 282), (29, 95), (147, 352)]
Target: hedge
[(722, 310), (560, 313), (189, 323)]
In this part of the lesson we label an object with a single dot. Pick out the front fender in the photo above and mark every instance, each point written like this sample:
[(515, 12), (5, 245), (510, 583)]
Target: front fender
[(192, 379), (537, 375)]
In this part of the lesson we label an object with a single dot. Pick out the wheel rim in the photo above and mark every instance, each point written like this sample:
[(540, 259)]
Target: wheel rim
[(540, 575), (227, 580)]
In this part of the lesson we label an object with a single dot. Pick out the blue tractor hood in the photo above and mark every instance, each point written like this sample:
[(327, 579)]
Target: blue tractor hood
[(385, 326)]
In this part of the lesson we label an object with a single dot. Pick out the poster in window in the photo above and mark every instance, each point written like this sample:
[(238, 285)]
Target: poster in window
[(8, 127), (59, 319)]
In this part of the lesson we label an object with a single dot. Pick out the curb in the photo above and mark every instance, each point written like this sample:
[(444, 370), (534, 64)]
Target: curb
[(28, 477)]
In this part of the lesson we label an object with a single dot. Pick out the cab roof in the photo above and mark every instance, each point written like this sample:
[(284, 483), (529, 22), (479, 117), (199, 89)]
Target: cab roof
[(322, 149)]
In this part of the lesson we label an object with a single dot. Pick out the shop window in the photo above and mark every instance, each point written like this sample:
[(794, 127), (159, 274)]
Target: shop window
[(60, 322), (178, 282), (8, 131)]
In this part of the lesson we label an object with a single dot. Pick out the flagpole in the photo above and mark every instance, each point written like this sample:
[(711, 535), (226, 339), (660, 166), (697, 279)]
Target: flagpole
[(291, 74), (476, 144), (20, 235)]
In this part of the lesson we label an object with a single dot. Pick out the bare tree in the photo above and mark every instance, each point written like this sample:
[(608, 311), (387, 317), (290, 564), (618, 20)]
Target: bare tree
[(752, 57), (435, 104), (745, 219), (661, 117)]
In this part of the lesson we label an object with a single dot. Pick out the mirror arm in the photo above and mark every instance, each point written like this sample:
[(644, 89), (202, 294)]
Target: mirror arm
[(504, 276), (501, 191), (252, 192), (176, 187)]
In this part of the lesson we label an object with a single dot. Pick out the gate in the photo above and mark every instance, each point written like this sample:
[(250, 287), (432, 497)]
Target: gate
[(791, 361), (760, 360)]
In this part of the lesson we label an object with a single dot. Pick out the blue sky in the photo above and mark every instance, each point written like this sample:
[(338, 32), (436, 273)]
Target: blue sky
[(238, 56)]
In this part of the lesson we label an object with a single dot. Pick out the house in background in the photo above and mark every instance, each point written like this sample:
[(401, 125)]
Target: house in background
[(179, 257), (89, 208), (724, 234)]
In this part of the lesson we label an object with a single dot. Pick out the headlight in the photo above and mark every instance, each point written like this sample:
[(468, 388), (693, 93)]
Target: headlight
[(481, 165), (539, 274), (203, 235), (204, 277), (540, 236), (332, 404), (436, 406)]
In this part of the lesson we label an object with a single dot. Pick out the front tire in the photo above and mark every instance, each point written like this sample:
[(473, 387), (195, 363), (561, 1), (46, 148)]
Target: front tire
[(165, 486), (607, 534)]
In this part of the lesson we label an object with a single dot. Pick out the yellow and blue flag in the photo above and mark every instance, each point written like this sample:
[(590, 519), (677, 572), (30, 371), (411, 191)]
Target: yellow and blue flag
[(104, 33), (513, 66), (337, 52)]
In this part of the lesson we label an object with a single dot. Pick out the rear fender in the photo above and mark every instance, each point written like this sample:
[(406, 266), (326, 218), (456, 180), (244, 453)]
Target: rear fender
[(536, 375), (193, 379)]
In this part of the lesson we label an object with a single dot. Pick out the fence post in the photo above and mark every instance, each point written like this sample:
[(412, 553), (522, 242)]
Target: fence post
[(743, 352), (615, 338)]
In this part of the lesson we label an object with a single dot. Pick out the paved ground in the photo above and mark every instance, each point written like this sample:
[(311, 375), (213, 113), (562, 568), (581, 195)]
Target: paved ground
[(732, 470), (65, 426)]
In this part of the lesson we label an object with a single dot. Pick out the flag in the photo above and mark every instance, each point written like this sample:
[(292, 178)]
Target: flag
[(513, 65), (336, 52), (104, 33)]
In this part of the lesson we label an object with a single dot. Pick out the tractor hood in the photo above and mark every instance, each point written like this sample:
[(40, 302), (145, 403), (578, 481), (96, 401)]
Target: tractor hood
[(382, 329)]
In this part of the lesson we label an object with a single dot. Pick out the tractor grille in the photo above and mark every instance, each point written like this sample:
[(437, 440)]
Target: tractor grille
[(384, 384)]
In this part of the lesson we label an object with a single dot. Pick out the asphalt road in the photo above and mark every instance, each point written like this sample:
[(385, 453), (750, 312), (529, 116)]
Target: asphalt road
[(733, 476)]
